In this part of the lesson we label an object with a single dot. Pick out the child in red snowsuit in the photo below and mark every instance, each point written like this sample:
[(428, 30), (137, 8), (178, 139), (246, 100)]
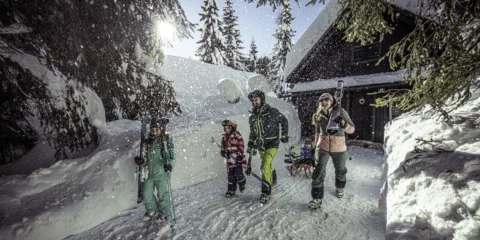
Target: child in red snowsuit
[(233, 150)]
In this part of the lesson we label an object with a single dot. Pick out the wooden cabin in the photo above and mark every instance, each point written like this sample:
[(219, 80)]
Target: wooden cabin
[(320, 58)]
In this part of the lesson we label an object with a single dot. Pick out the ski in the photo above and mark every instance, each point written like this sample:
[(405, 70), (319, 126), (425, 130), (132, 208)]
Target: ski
[(169, 175), (143, 133), (249, 164), (333, 126)]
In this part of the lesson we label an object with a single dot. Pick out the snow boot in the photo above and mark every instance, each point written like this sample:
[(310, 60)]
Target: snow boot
[(161, 219), (339, 192), (230, 194), (315, 203), (242, 188), (148, 216), (264, 198)]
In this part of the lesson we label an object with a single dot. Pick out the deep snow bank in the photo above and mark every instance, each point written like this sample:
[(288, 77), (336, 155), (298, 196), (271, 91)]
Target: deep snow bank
[(433, 169)]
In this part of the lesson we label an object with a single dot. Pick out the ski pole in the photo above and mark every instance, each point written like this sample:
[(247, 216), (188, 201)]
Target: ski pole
[(172, 210), (249, 164)]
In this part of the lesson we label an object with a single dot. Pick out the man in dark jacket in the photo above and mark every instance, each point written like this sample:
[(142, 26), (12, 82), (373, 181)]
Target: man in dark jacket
[(264, 128)]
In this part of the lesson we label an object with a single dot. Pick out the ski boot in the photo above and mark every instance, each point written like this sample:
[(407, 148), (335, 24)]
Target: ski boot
[(230, 194), (339, 192), (161, 219), (242, 188), (148, 216), (315, 203), (264, 198)]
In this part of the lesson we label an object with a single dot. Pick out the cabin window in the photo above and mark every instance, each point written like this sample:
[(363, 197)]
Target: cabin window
[(366, 53)]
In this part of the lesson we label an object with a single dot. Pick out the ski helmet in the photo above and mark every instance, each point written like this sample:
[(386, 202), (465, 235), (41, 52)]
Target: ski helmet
[(232, 124), (257, 93), (158, 122)]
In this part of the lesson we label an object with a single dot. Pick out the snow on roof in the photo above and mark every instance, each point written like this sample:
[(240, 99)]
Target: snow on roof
[(350, 81), (311, 36), (321, 25)]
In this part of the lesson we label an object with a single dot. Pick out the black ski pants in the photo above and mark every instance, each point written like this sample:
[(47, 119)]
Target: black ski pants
[(235, 176)]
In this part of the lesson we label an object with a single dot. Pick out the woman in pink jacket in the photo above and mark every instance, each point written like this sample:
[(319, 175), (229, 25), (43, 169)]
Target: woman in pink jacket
[(327, 146)]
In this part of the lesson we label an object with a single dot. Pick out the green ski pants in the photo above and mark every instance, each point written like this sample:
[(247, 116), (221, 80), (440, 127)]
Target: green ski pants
[(339, 160), (267, 168), (159, 201)]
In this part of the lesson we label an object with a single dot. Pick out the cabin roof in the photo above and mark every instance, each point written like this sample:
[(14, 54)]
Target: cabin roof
[(317, 31), (351, 81)]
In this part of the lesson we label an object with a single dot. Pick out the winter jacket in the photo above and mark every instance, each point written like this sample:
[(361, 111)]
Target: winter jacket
[(307, 153), (155, 158), (233, 146), (331, 143), (264, 127)]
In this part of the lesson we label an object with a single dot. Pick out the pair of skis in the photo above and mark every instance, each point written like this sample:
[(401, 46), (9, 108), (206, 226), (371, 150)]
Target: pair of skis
[(333, 126), (143, 134)]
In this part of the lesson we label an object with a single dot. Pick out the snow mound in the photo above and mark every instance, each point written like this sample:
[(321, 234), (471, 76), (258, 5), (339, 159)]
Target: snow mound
[(433, 168), (229, 90), (258, 82)]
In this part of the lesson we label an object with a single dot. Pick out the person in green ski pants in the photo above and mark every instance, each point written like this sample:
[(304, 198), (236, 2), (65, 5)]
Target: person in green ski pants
[(265, 122), (327, 146), (157, 178)]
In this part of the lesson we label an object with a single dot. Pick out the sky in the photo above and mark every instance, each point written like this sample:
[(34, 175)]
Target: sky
[(253, 23)]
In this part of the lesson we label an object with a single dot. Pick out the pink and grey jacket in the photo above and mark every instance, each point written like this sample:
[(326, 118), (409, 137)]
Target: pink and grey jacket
[(234, 146), (331, 143)]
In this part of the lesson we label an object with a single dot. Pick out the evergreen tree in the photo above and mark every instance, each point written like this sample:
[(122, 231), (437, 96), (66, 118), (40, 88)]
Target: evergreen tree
[(263, 66), (233, 42), (441, 57), (212, 42), (100, 45), (252, 60), (284, 35)]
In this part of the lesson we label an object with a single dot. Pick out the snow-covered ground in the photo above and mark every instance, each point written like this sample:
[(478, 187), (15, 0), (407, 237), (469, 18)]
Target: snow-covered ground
[(204, 213)]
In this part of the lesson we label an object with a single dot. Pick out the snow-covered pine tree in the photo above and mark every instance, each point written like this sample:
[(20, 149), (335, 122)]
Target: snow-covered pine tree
[(284, 35), (212, 42), (101, 47), (252, 59), (263, 66), (233, 42)]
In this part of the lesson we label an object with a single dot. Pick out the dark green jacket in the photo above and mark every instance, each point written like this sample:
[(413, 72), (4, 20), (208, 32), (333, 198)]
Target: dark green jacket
[(264, 127), (155, 160)]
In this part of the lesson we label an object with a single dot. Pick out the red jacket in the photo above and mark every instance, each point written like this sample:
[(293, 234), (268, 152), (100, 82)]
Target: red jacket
[(233, 146)]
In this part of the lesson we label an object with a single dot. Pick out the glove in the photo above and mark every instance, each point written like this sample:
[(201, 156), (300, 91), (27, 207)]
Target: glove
[(248, 171), (223, 154), (339, 120), (252, 151), (139, 161), (168, 168), (239, 160), (284, 139)]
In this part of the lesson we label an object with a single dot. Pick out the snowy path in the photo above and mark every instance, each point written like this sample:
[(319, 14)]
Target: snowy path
[(203, 213)]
